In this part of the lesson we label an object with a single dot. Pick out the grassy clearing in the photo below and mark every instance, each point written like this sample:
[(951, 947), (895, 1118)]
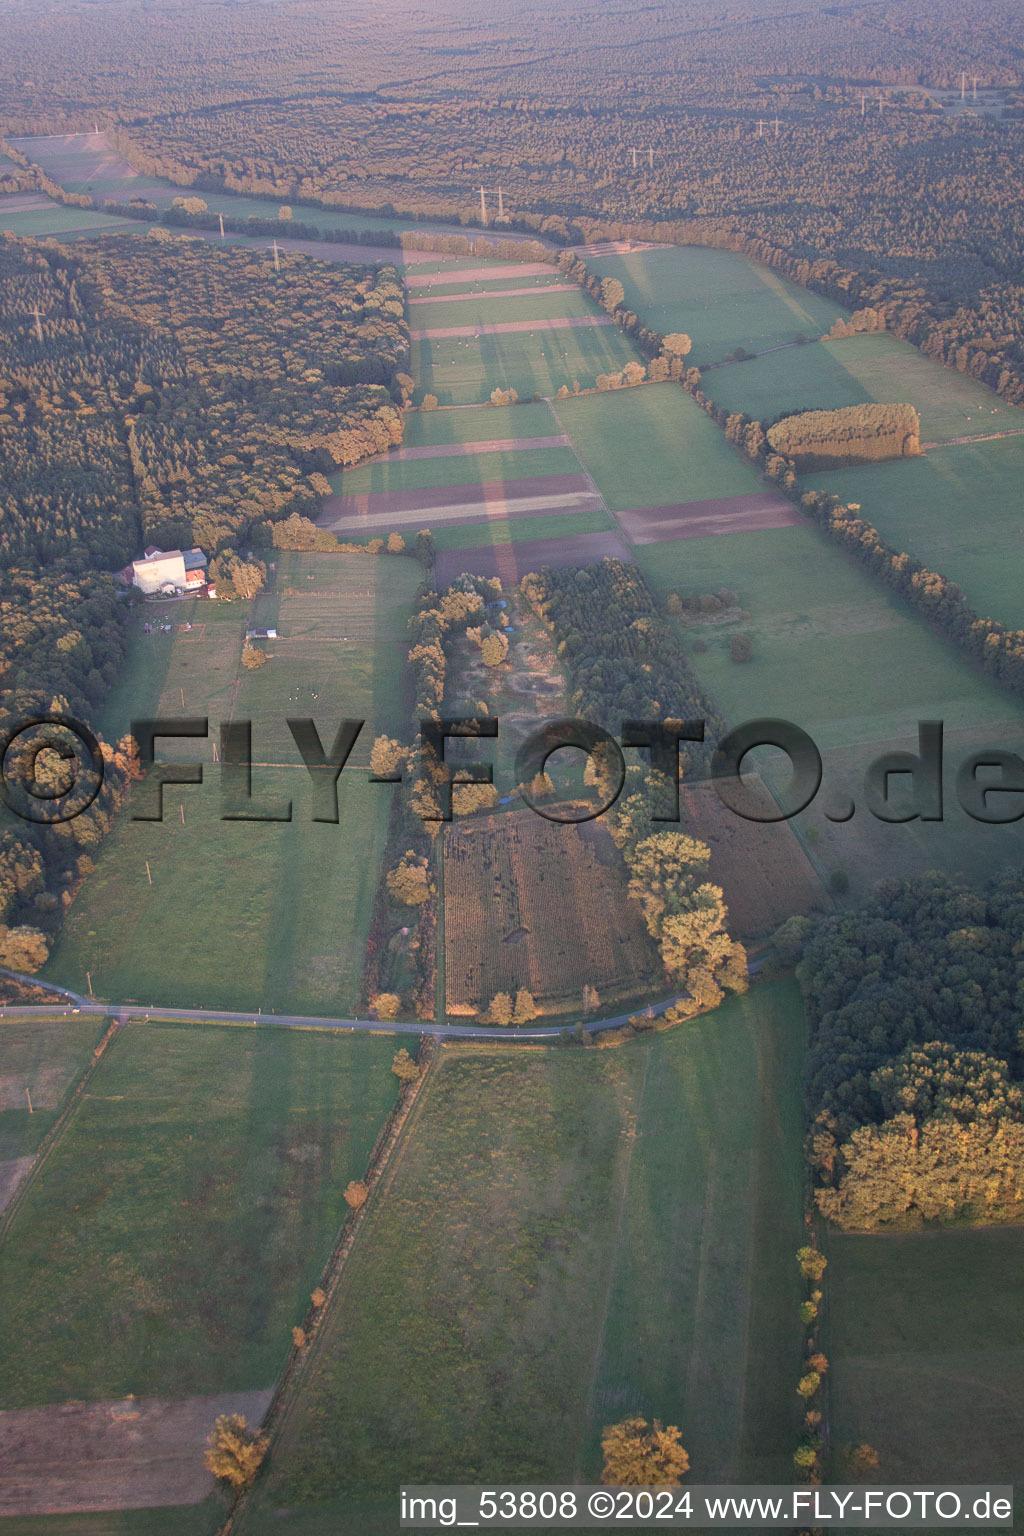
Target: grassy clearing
[(283, 908), (933, 1320), (720, 299), (426, 474), (532, 304), (462, 371), (484, 286), (555, 1201), (174, 1234), (490, 423), (653, 446), (512, 530), (184, 1520), (858, 369), (958, 509), (55, 219), (833, 651), (45, 1056)]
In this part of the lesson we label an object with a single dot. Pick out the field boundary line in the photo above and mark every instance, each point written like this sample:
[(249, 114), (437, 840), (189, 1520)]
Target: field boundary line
[(599, 1334), (379, 1171), (53, 1135)]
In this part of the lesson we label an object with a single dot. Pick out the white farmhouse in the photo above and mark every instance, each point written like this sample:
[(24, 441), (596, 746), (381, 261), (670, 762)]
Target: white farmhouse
[(169, 571)]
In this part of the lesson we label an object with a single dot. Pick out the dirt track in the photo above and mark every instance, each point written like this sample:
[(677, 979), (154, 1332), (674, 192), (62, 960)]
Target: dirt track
[(498, 293), (478, 274), (351, 512), (513, 561), (12, 1171), (704, 519), (134, 1453), (467, 450), (560, 323)]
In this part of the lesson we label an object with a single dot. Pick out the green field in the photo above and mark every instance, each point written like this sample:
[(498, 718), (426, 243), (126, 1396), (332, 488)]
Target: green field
[(720, 299), (512, 530), (532, 304), (959, 509), (848, 663), (283, 908), (175, 1232), (652, 446), (462, 371), (566, 1238), (931, 1320), (183, 1520), (858, 369), (45, 1056), (456, 469), (55, 219), (473, 424)]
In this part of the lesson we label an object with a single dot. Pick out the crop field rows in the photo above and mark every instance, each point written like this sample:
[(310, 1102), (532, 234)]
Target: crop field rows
[(529, 903)]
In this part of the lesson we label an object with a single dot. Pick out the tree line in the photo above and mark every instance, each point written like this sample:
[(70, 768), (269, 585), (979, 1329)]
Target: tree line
[(853, 434)]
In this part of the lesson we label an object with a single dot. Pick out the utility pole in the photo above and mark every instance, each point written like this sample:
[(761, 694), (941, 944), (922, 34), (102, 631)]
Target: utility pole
[(88, 977), (39, 322), (221, 217), (501, 208), (776, 127), (483, 208), (149, 877), (975, 81), (277, 258), (963, 85), (881, 104), (29, 1097), (863, 104), (650, 158), (634, 157), (760, 127)]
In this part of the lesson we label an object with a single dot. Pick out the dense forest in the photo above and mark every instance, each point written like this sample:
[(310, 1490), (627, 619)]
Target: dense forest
[(624, 661), (163, 390), (854, 434), (915, 1004)]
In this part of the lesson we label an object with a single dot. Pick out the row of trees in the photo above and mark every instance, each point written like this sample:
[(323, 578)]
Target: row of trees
[(915, 1097)]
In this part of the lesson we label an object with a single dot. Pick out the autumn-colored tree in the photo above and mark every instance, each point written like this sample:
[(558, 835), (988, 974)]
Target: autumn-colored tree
[(23, 949), (677, 344), (641, 1455), (429, 403), (387, 1005), (234, 1452), (812, 1263), (501, 1009), (591, 998), (249, 578), (253, 656), (741, 648), (612, 294), (494, 649), (386, 755), (355, 1193), (409, 882), (318, 1297), (525, 1009), (396, 544), (809, 1384), (860, 1461), (298, 1337), (403, 1066)]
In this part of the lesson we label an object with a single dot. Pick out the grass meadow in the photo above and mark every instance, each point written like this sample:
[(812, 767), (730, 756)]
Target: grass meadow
[(183, 1520), (461, 370), (958, 509), (926, 1342), (472, 424), (847, 662), (565, 1238), (458, 469), (46, 1056), (173, 1235), (270, 914), (55, 219), (857, 369), (652, 446), (719, 298)]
